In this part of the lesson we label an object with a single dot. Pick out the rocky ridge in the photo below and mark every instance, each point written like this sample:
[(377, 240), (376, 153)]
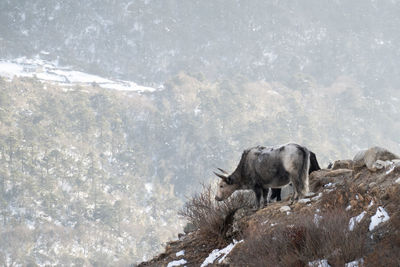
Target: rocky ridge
[(366, 206)]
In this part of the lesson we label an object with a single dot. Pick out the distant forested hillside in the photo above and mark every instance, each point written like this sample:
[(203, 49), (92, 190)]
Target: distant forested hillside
[(94, 175), (74, 183)]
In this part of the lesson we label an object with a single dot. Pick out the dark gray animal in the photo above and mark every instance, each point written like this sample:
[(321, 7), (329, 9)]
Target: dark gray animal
[(261, 168), (314, 166)]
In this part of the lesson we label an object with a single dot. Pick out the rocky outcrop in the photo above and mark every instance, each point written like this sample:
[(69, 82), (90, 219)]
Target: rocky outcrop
[(374, 158), (367, 202)]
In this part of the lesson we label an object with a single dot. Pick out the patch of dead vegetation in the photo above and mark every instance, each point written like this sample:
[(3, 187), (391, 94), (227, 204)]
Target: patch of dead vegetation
[(304, 240), (211, 218)]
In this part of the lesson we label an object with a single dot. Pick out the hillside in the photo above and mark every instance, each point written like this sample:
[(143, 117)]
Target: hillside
[(74, 188), (100, 174), (114, 114), (351, 219)]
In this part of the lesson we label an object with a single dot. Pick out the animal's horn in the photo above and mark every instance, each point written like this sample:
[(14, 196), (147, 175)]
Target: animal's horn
[(223, 177), (221, 170)]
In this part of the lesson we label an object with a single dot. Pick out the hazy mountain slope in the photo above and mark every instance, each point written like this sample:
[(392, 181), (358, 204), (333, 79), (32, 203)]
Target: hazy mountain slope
[(73, 190), (110, 169)]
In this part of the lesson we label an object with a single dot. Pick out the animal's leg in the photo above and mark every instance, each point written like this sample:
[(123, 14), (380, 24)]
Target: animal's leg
[(296, 190), (258, 192), (265, 195), (276, 193), (294, 197)]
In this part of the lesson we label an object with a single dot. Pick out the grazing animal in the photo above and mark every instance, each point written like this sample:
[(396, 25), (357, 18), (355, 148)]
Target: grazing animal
[(374, 158), (314, 166), (261, 168)]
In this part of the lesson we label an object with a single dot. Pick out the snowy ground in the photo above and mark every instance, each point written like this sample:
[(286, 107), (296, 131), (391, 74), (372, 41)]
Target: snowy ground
[(51, 72)]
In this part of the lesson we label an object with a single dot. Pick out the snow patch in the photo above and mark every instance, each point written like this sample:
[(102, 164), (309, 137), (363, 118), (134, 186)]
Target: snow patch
[(9, 70), (309, 194), (284, 208), (319, 263), (304, 200), (273, 92), (317, 219), (355, 220), (397, 180), (51, 72), (66, 187), (316, 197), (30, 224), (177, 263), (197, 111), (216, 253), (329, 184), (380, 216), (148, 187), (356, 263), (180, 253)]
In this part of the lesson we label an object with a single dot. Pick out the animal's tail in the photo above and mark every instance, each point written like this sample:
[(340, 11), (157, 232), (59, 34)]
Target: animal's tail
[(303, 174), (314, 166)]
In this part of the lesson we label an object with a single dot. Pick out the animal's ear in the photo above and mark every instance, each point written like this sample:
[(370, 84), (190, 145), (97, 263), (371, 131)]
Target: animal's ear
[(229, 180)]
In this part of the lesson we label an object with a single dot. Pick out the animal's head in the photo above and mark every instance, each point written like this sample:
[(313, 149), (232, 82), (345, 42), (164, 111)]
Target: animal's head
[(225, 186)]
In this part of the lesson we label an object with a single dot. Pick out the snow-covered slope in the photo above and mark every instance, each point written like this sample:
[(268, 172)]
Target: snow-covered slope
[(52, 72)]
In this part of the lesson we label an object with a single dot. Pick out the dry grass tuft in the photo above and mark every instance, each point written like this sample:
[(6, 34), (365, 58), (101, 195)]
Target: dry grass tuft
[(304, 241), (211, 218)]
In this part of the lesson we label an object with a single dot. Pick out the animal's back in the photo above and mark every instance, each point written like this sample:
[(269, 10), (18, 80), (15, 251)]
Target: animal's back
[(274, 165)]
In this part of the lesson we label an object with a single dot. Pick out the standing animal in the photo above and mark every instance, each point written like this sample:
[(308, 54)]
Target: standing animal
[(261, 168), (314, 166)]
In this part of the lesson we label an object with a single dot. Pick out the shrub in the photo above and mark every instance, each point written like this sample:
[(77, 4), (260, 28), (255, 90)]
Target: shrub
[(210, 217)]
